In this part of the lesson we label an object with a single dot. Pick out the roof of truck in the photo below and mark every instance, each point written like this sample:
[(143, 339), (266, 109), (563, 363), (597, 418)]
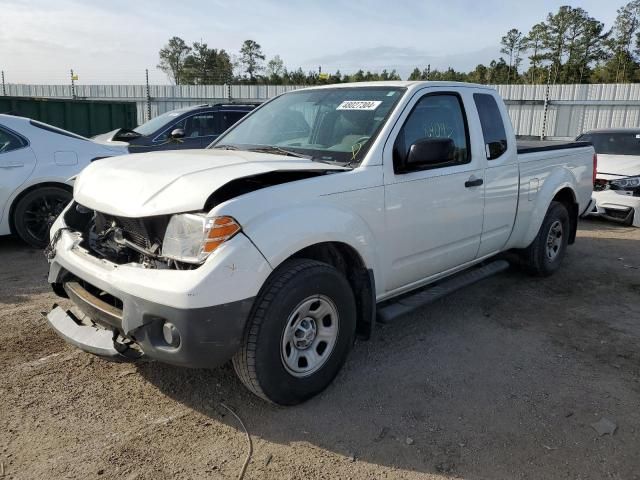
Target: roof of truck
[(404, 84)]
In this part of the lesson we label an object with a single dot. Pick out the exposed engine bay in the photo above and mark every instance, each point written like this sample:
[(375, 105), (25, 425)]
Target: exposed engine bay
[(124, 240), (120, 240)]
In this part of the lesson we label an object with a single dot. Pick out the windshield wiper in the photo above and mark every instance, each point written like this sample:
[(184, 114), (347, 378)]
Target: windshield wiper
[(225, 147), (277, 150)]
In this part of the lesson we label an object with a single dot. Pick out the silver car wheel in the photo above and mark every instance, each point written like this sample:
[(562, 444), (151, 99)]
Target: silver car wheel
[(554, 240), (309, 336)]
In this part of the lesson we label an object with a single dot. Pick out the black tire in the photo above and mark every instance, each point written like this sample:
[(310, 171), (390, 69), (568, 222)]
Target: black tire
[(260, 363), (36, 211), (537, 258)]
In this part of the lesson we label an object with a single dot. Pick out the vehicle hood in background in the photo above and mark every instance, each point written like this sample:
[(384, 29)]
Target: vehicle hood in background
[(611, 167), (160, 183)]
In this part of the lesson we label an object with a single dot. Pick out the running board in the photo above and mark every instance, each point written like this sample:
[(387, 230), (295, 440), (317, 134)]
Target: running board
[(430, 294)]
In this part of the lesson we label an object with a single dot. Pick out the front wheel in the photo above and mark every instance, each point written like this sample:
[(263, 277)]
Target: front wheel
[(544, 256), (36, 211), (299, 333)]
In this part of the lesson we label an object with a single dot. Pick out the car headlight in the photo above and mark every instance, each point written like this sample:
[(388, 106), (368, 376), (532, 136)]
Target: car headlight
[(191, 237), (629, 183)]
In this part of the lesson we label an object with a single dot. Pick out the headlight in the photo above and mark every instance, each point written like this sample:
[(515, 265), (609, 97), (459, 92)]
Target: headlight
[(191, 237), (629, 183)]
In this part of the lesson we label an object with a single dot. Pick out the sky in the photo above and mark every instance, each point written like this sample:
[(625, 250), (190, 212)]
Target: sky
[(115, 41)]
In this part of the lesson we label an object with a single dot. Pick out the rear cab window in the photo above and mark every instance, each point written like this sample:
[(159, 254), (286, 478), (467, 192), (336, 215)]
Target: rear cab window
[(495, 137)]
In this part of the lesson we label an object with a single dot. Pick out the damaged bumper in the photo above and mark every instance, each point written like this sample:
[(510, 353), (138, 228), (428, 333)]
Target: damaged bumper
[(89, 338), (617, 206), (199, 338), (192, 318)]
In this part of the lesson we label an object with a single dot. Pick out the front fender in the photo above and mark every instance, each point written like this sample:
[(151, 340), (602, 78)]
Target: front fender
[(282, 233), (533, 206)]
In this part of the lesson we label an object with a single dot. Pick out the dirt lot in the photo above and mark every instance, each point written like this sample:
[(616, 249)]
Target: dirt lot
[(501, 380)]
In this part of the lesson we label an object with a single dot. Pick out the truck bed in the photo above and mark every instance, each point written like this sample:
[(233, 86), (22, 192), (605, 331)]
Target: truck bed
[(530, 146)]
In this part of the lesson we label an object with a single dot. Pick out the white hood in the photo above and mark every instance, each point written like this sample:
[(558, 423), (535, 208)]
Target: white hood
[(611, 167), (159, 183)]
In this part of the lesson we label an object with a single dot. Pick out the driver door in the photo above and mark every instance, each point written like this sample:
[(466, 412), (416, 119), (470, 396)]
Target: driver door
[(17, 161), (433, 215)]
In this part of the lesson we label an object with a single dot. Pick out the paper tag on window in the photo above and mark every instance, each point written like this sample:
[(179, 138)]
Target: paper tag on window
[(359, 105)]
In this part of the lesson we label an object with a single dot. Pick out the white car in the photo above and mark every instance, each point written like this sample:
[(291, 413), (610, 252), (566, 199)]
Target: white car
[(617, 187), (36, 163), (312, 214)]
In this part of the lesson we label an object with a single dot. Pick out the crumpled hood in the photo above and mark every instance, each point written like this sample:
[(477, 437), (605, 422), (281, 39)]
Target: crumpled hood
[(159, 183), (611, 167)]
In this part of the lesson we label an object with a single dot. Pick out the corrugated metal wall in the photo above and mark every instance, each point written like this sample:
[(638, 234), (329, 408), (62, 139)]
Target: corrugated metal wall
[(572, 109), (163, 97)]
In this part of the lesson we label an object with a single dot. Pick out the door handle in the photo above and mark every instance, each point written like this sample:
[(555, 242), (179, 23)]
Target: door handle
[(11, 165), (473, 182)]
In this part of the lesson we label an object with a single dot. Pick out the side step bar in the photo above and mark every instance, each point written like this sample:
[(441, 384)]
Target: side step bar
[(430, 294)]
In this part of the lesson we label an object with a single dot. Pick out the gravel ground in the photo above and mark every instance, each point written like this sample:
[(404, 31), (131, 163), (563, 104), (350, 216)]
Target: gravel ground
[(501, 380)]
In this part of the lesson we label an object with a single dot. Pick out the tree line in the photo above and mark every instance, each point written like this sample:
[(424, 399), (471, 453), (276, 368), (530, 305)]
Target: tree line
[(200, 65), (569, 46)]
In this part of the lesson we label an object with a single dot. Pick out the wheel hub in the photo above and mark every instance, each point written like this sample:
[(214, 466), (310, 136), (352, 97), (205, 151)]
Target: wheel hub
[(309, 336), (554, 240), (304, 333)]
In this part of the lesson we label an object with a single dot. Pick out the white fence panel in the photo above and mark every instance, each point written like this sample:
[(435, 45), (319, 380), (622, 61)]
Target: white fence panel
[(572, 108)]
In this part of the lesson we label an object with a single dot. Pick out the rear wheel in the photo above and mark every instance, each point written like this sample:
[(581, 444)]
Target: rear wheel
[(36, 211), (544, 256), (299, 334)]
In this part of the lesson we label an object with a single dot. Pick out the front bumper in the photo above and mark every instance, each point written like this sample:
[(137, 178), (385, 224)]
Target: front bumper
[(206, 309), (206, 337), (617, 206), (88, 338)]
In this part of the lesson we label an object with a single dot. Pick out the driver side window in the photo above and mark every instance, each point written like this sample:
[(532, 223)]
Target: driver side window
[(10, 142), (435, 116), (166, 135)]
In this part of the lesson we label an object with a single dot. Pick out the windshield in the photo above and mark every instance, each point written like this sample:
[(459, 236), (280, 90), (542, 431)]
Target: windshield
[(328, 124), (614, 143), (158, 122)]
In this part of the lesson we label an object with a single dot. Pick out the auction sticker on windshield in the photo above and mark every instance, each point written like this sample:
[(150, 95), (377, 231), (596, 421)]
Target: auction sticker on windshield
[(359, 105)]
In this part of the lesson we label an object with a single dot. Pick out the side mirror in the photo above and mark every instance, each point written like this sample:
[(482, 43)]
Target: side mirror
[(495, 149), (429, 152), (177, 133)]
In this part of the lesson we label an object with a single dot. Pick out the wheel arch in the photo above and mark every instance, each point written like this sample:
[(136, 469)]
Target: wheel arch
[(350, 263), (567, 197), (559, 186)]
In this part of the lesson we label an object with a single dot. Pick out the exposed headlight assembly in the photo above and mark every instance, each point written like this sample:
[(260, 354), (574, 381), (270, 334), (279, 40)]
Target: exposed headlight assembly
[(629, 183), (191, 237)]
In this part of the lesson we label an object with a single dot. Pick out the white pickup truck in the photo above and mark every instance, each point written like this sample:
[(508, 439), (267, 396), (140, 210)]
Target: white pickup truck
[(318, 212)]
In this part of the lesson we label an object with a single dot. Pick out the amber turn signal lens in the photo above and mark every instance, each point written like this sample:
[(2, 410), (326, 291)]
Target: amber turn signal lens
[(222, 229)]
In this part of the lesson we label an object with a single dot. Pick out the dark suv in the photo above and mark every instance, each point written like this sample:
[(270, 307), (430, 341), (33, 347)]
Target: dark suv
[(190, 127)]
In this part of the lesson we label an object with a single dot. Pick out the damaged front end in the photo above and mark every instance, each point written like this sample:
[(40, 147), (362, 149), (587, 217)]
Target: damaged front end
[(127, 303), (123, 240), (618, 199)]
